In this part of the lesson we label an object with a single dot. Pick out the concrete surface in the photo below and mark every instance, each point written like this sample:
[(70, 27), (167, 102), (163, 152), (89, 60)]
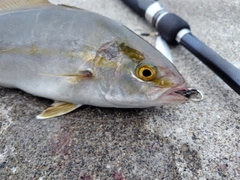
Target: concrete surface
[(187, 141)]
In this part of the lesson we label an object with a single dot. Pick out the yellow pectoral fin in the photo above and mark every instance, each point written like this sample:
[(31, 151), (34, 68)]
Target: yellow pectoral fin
[(9, 5), (73, 78), (58, 109)]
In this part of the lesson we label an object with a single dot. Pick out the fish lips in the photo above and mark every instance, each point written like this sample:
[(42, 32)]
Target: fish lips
[(170, 96)]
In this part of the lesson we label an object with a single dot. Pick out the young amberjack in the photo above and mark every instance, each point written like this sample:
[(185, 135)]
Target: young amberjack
[(77, 57)]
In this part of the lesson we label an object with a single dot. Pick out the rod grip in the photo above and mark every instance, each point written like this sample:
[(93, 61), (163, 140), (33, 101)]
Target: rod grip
[(169, 26)]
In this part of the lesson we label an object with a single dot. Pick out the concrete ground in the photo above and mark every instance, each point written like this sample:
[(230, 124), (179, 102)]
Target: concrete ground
[(187, 141)]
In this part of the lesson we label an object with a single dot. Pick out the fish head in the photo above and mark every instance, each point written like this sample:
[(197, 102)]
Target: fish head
[(129, 78)]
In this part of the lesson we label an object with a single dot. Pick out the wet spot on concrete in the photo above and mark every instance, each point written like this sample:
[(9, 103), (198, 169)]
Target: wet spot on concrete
[(118, 176), (85, 177), (61, 144), (191, 158)]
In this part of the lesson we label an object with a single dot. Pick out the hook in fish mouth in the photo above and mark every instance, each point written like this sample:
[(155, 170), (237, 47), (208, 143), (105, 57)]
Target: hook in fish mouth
[(191, 94)]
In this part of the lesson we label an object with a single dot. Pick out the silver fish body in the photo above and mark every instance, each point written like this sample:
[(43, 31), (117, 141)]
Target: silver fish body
[(72, 55)]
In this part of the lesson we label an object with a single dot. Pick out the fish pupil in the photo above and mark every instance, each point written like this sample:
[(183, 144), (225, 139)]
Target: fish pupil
[(146, 73)]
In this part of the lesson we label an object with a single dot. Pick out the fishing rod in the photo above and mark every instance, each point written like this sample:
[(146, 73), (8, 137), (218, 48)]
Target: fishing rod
[(174, 30)]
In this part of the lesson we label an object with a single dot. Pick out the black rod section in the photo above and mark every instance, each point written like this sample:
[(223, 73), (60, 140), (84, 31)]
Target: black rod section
[(174, 29), (225, 70)]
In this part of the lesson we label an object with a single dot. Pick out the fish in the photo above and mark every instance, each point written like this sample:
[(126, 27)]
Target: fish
[(76, 57)]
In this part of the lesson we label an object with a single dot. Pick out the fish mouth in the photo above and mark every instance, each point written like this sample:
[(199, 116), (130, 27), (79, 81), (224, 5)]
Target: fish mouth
[(174, 95), (181, 94)]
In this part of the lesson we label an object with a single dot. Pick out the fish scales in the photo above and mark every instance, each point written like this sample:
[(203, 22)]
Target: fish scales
[(79, 57), (49, 38)]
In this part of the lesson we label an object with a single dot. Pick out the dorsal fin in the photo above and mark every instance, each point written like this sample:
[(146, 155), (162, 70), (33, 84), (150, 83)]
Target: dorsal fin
[(9, 5)]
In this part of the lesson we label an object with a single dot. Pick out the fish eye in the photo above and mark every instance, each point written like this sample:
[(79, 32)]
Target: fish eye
[(146, 72)]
